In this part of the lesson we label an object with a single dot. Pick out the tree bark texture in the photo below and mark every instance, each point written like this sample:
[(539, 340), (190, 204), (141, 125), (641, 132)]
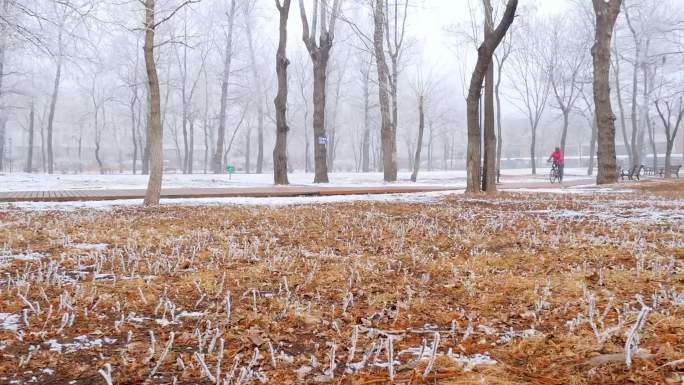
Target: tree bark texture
[(280, 149), (606, 12)]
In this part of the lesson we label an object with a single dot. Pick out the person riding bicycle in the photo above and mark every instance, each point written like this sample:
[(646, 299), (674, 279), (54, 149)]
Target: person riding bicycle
[(559, 160)]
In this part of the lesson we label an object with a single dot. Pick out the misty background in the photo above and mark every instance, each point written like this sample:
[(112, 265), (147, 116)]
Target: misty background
[(75, 67)]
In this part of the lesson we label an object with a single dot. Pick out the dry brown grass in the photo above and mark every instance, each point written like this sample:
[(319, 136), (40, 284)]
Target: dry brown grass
[(466, 260)]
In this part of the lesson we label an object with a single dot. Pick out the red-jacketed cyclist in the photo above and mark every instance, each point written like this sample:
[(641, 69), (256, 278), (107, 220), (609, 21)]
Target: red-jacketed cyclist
[(559, 160)]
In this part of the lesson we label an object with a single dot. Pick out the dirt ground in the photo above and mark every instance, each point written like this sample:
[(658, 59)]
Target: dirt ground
[(519, 288)]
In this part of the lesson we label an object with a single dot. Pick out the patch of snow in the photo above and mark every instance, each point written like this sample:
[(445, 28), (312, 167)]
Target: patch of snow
[(163, 322), (136, 318), (470, 362), (509, 335), (90, 246), (9, 321), (429, 197), (194, 314), (80, 343)]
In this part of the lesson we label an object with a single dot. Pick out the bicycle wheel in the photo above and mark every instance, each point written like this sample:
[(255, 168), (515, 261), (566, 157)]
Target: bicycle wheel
[(553, 175)]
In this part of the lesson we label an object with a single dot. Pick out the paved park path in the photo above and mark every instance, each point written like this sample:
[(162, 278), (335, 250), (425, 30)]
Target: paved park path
[(71, 195)]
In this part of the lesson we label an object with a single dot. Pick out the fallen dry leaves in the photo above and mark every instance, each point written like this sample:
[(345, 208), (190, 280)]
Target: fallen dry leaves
[(505, 286)]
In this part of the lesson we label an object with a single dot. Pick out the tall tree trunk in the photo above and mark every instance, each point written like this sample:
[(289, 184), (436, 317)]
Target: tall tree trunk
[(636, 161), (564, 133), (43, 157), (651, 141), (280, 149), (3, 126), (260, 139), (533, 148), (623, 123), (191, 149), (133, 130), (80, 152), (499, 137), (186, 143), (217, 161), (365, 145), (248, 149), (592, 145), (205, 132), (31, 129), (319, 51), (3, 113), (387, 133), (259, 97), (53, 106), (155, 128), (489, 166), (145, 166), (606, 12), (636, 67), (419, 145), (320, 137), (394, 123), (484, 60), (430, 141)]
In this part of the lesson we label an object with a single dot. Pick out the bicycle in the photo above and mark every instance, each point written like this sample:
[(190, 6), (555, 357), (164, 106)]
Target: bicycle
[(555, 173)]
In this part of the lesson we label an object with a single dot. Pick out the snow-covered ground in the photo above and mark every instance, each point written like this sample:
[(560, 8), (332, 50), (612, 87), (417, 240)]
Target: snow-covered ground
[(455, 179), (271, 201)]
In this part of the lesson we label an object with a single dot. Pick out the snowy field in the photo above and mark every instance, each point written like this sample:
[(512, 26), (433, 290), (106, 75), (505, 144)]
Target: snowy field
[(456, 179)]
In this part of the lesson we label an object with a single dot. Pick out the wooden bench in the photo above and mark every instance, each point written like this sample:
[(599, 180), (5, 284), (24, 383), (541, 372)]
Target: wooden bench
[(673, 169), (632, 173)]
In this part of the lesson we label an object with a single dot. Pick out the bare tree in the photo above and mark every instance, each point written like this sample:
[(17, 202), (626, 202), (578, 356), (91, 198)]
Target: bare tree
[(606, 12), (501, 57), (333, 138), (366, 66), (320, 55), (188, 89), (671, 111), (280, 150), (419, 143), (4, 30), (31, 130), (155, 128), (489, 166), (532, 85), (566, 61), (484, 60), (217, 163), (395, 31), (259, 94), (615, 63), (388, 133), (154, 125), (302, 77)]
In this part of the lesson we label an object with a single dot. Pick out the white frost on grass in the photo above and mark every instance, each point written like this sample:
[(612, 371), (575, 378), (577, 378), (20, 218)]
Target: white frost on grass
[(80, 343), (468, 362), (5, 258), (9, 321)]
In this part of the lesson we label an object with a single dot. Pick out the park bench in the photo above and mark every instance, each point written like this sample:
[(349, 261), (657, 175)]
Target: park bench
[(673, 169), (631, 173)]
